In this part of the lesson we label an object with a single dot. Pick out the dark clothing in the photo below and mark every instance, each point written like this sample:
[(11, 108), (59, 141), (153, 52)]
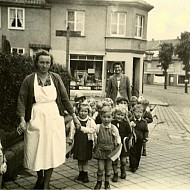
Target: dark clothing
[(82, 146), (105, 143), (124, 88), (124, 131), (26, 96), (140, 133), (148, 116), (98, 119)]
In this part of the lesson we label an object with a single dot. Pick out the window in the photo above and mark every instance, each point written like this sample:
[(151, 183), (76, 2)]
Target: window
[(181, 79), (139, 26), (15, 50), (16, 18), (75, 20), (118, 24)]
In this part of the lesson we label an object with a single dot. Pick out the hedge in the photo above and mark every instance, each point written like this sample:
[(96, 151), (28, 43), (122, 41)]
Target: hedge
[(13, 70)]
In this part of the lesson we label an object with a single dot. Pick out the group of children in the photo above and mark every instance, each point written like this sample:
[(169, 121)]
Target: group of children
[(109, 133)]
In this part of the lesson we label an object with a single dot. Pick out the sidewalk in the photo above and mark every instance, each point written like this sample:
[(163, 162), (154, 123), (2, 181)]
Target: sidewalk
[(165, 167)]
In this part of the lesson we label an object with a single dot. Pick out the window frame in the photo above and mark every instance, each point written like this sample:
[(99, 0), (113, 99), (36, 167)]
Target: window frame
[(138, 26), (18, 48), (75, 20), (118, 23), (9, 22)]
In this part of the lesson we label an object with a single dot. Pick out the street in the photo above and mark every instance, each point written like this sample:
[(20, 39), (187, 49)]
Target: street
[(166, 165)]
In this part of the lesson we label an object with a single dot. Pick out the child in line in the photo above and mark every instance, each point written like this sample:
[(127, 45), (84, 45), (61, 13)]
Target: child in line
[(147, 115), (98, 108), (124, 128), (140, 134), (107, 140), (83, 141)]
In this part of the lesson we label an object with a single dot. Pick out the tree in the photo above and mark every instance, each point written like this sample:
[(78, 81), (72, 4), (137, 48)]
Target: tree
[(183, 51), (165, 58)]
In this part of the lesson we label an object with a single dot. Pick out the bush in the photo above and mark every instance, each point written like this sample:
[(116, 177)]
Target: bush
[(13, 70)]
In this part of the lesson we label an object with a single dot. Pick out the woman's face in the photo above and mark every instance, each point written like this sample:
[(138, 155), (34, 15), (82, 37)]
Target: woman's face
[(44, 63), (117, 69)]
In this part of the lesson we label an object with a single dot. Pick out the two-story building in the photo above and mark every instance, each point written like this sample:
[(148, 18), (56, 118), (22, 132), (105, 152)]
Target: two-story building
[(153, 72), (100, 32), (26, 25)]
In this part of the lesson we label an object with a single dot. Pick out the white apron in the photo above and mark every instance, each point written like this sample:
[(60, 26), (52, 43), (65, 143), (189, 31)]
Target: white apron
[(45, 139)]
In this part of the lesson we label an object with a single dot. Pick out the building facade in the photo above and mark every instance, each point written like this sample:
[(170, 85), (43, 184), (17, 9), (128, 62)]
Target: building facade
[(86, 36), (153, 73)]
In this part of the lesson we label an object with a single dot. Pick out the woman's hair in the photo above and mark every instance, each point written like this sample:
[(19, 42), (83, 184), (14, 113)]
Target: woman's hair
[(118, 63), (38, 54), (120, 99)]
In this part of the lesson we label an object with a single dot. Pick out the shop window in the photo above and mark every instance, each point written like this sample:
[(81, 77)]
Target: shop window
[(76, 20), (139, 26), (118, 23), (16, 18), (15, 50)]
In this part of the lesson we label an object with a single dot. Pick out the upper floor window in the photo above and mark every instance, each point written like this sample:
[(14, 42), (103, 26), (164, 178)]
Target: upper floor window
[(139, 26), (16, 50), (75, 20), (16, 18), (118, 23)]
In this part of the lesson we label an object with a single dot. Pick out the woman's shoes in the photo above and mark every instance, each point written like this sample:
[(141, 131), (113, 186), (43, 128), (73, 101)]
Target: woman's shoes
[(39, 185)]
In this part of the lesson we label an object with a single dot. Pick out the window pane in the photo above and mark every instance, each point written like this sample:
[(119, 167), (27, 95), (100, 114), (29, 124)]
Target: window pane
[(71, 26), (114, 17), (114, 29), (121, 29), (70, 16), (79, 16), (79, 27), (20, 51), (122, 18)]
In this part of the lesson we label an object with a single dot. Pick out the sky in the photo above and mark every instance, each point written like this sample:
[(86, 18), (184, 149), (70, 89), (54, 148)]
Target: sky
[(168, 19)]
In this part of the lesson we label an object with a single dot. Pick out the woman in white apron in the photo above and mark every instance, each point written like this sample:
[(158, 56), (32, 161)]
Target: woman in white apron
[(45, 139)]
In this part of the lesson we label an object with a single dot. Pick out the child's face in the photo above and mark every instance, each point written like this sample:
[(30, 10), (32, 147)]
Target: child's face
[(93, 108), (123, 103), (119, 116), (106, 118), (133, 102), (83, 113), (138, 113)]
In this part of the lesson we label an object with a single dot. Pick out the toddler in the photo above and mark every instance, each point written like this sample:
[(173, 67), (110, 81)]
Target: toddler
[(140, 134), (107, 140), (125, 133), (83, 141)]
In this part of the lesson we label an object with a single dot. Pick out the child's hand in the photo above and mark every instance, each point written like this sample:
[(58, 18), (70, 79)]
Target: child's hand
[(145, 140), (133, 124), (130, 143)]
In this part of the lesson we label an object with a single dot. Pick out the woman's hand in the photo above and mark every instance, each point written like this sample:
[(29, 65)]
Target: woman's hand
[(77, 123), (22, 126)]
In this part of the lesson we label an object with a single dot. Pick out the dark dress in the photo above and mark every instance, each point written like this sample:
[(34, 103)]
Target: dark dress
[(124, 131), (82, 149), (105, 143), (141, 133)]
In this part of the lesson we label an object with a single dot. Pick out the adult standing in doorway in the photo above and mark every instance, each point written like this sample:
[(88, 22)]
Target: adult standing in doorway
[(40, 109), (118, 84)]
